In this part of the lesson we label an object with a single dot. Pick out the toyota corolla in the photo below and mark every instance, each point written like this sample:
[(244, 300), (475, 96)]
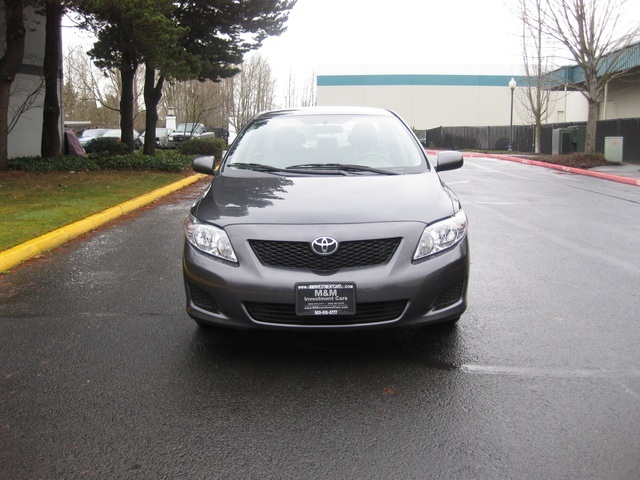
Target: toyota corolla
[(326, 218)]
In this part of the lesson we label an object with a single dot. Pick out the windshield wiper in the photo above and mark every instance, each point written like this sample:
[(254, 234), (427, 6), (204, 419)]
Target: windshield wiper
[(258, 167), (345, 167)]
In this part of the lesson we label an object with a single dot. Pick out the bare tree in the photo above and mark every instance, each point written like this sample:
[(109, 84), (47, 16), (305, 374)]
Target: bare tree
[(536, 61), (30, 91), (194, 101), (593, 33), (93, 94), (253, 90), (308, 95), (297, 94)]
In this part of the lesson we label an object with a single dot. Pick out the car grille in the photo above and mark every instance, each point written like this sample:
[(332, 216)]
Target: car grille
[(285, 313), (299, 256)]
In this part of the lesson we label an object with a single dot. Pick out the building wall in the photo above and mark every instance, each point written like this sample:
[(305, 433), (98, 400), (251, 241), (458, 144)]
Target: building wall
[(623, 97), (25, 137), (432, 96)]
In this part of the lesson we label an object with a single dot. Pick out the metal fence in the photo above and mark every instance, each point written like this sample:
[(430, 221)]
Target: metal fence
[(497, 138)]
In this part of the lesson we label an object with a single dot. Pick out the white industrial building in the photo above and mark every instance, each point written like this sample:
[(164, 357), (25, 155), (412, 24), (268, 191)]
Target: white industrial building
[(428, 96)]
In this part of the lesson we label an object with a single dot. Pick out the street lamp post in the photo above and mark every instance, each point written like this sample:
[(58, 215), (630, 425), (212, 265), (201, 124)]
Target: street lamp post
[(512, 87)]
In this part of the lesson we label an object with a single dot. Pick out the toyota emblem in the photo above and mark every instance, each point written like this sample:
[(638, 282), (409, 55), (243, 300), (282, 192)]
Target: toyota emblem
[(324, 246)]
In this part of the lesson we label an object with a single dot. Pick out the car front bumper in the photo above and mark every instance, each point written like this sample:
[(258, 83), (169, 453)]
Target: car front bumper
[(397, 293)]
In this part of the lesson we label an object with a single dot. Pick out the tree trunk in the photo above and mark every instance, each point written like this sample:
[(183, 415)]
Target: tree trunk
[(9, 65), (592, 85), (592, 123), (152, 96), (128, 74), (50, 146)]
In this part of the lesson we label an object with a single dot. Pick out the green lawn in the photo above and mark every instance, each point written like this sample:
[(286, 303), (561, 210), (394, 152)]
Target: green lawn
[(32, 204)]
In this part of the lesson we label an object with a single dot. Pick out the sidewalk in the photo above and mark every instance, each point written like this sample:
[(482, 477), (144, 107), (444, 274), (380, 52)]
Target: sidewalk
[(624, 169)]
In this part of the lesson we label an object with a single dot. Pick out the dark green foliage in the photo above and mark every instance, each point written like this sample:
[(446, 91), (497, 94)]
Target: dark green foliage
[(456, 142), (57, 164), (102, 146), (501, 144), (164, 161), (204, 146)]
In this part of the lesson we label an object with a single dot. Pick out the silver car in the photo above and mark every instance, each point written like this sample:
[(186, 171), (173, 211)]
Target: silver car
[(183, 133), (326, 218)]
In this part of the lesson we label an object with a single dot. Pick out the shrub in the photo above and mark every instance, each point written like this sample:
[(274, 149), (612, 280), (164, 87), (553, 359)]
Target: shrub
[(204, 146), (166, 161), (66, 163), (501, 144), (457, 142), (108, 146)]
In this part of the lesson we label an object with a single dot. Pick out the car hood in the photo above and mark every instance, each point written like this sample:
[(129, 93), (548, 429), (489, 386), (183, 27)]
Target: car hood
[(270, 199)]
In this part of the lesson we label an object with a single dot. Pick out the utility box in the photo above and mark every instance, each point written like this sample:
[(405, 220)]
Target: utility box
[(613, 149), (579, 137), (568, 140), (561, 141)]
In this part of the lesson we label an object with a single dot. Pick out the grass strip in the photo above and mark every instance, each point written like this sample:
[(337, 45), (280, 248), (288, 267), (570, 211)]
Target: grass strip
[(33, 204)]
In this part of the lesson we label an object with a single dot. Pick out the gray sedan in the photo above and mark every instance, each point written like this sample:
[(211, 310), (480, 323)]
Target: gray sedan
[(326, 219)]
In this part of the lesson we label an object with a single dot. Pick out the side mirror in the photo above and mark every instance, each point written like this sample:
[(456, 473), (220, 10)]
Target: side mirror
[(204, 164), (449, 160)]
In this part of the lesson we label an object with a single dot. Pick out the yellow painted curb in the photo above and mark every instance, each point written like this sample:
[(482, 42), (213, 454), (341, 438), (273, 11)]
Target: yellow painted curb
[(12, 257)]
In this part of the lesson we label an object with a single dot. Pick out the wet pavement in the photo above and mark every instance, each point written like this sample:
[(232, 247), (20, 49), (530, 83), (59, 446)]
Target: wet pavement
[(104, 376)]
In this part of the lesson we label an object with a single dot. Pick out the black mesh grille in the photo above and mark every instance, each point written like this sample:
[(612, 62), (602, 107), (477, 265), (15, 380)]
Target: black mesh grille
[(298, 255), (285, 313), (203, 300), (449, 296)]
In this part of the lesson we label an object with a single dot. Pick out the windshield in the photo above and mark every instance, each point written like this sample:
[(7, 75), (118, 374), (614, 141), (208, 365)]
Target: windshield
[(186, 127), (326, 141), (93, 132)]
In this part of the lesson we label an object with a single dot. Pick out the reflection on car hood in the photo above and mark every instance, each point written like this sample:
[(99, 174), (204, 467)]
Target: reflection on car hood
[(342, 199)]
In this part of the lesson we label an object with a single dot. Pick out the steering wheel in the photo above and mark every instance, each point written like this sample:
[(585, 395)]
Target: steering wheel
[(373, 159)]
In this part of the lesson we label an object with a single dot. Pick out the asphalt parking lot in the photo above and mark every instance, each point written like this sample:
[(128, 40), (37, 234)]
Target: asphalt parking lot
[(104, 375)]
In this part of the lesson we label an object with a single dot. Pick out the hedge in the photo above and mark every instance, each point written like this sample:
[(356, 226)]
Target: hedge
[(204, 146), (165, 161)]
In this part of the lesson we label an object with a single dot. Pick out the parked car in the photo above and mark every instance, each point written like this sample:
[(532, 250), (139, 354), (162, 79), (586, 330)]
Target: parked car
[(326, 218), (89, 135), (162, 137), (184, 132), (116, 133)]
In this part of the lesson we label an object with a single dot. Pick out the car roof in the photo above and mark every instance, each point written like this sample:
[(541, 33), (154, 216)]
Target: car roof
[(329, 111)]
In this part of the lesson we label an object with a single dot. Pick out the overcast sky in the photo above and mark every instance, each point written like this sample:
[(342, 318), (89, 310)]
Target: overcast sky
[(395, 32), (399, 32), (402, 32)]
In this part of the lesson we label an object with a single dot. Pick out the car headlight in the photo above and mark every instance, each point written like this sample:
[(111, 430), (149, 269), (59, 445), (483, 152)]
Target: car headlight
[(209, 239), (441, 235)]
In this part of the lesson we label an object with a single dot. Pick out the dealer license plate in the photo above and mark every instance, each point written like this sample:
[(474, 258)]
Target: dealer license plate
[(325, 299)]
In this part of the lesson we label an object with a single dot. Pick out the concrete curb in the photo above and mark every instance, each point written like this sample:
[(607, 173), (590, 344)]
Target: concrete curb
[(18, 254), (577, 171)]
